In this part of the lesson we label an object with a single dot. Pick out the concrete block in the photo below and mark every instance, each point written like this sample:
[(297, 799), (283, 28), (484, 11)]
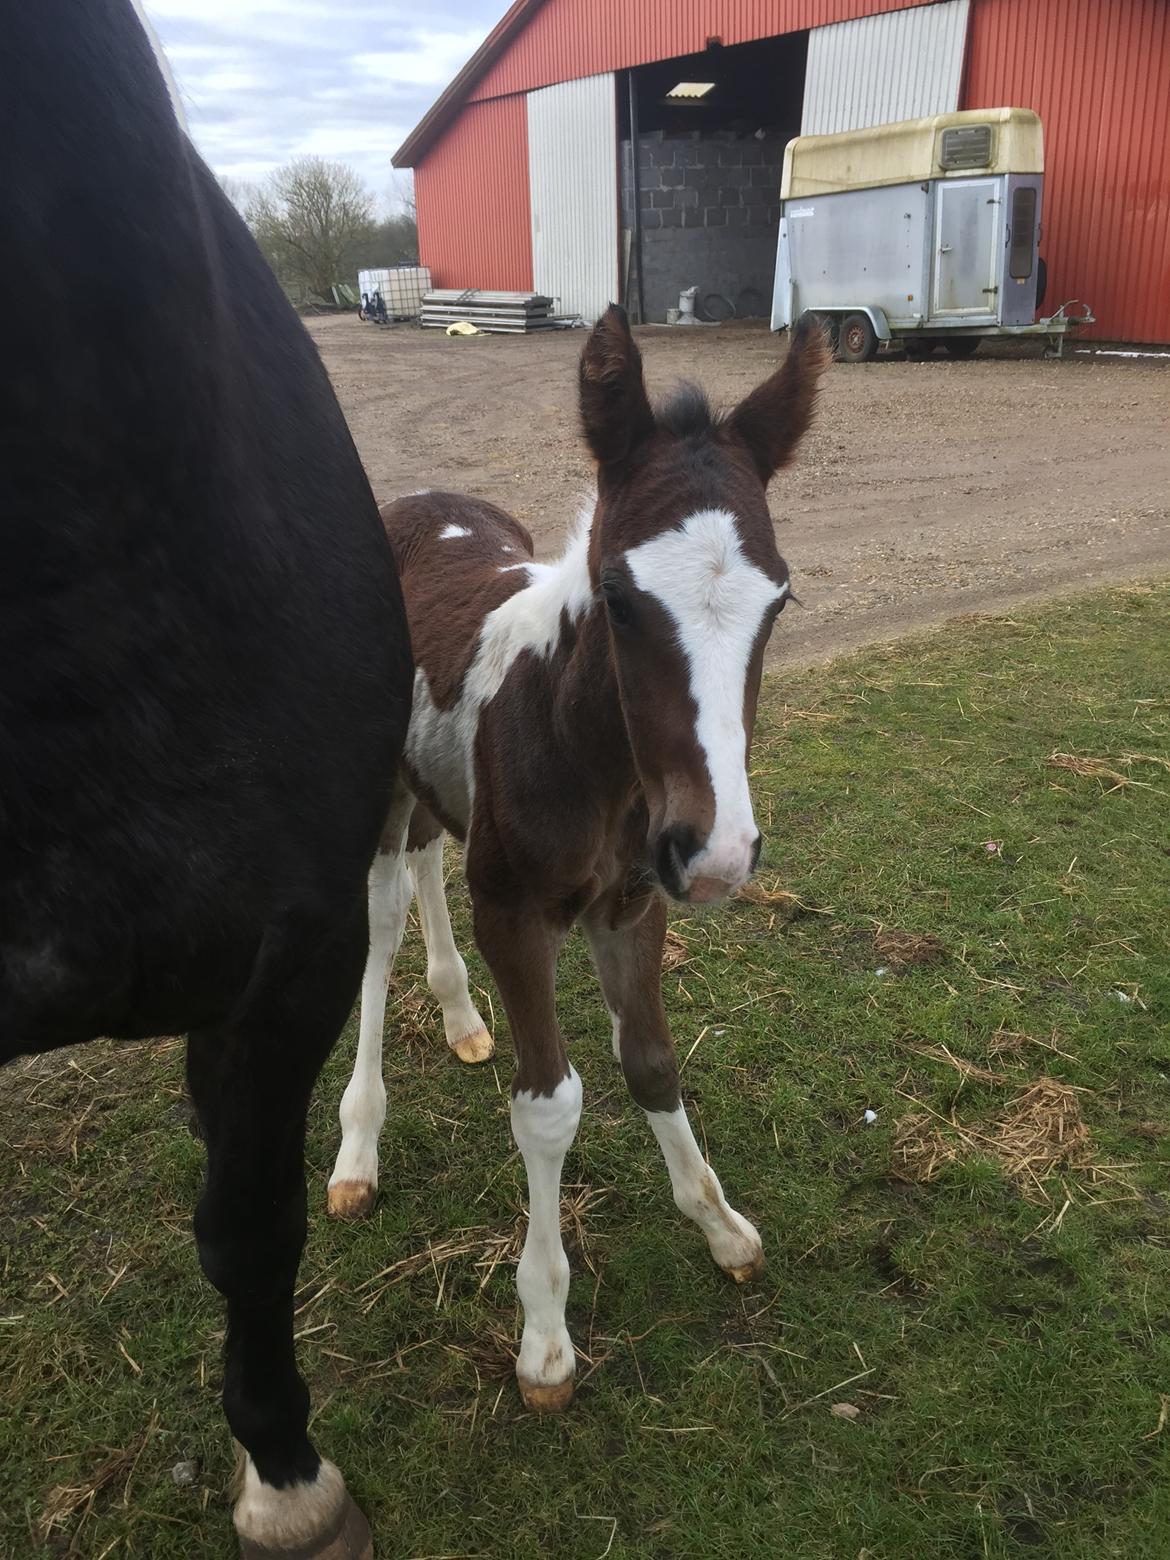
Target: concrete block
[(716, 216), (687, 197), (651, 219), (670, 177), (672, 217), (730, 197), (692, 217), (736, 178)]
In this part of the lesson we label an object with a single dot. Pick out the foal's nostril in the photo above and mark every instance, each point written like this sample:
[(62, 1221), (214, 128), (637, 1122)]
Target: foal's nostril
[(757, 846), (673, 852)]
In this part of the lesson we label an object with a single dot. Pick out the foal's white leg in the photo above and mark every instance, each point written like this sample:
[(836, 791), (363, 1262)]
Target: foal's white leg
[(735, 1243), (544, 1126), (628, 960), (466, 1032), (354, 1182)]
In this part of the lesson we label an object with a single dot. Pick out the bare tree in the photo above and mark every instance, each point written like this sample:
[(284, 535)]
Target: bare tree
[(308, 219), (240, 192)]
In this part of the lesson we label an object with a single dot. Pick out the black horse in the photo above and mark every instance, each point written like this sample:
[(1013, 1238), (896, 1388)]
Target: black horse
[(205, 678)]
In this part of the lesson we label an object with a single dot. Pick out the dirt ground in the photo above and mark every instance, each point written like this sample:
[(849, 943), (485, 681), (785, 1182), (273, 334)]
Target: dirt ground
[(926, 491)]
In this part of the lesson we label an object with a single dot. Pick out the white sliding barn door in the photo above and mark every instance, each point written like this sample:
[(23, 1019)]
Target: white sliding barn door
[(573, 174), (879, 69)]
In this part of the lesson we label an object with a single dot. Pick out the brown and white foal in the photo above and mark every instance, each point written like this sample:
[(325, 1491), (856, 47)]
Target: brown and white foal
[(585, 727)]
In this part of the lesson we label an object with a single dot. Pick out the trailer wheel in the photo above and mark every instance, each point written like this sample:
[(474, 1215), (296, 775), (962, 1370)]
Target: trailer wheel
[(859, 341), (962, 346), (919, 348)]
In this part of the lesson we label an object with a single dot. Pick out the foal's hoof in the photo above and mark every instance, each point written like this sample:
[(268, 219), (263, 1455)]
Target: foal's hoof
[(475, 1047), (348, 1538), (351, 1199), (745, 1273), (541, 1399)]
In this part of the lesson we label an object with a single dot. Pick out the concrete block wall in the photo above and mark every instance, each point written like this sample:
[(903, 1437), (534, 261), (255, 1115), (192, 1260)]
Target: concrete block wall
[(710, 206)]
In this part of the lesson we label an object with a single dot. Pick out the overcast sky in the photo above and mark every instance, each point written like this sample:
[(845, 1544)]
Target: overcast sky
[(264, 81)]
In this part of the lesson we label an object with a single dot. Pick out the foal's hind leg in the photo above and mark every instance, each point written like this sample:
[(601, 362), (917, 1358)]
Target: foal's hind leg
[(250, 1081), (629, 963), (466, 1032), (353, 1185)]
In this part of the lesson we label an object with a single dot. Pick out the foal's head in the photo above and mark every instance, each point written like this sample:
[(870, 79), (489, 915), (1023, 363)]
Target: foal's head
[(684, 556)]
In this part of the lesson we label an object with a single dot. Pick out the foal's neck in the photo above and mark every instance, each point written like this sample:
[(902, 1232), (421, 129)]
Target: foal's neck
[(587, 714)]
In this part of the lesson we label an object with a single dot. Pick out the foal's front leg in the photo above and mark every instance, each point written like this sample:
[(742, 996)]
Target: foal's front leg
[(629, 963), (546, 1108)]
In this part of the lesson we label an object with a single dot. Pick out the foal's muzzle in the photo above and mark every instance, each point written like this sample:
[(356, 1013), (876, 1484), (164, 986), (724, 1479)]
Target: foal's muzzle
[(691, 872)]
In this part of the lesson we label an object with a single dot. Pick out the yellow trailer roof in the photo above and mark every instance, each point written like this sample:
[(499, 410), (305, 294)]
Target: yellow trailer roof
[(909, 151)]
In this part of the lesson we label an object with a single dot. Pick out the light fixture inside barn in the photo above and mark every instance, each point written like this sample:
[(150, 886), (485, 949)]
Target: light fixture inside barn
[(689, 91)]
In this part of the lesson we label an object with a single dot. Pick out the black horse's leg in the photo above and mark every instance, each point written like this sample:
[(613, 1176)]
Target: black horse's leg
[(250, 1081)]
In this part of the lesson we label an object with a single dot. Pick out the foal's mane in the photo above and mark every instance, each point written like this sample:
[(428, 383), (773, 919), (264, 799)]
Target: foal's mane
[(686, 412)]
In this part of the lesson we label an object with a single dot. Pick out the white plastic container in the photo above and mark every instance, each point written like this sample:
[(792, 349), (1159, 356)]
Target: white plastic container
[(402, 288)]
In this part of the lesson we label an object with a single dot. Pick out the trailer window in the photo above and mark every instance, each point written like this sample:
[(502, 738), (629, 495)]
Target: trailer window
[(1023, 232), (966, 146)]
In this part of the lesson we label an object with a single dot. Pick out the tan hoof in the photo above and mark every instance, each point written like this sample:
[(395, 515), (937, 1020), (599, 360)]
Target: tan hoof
[(351, 1199), (347, 1538), (475, 1047), (540, 1399), (749, 1271)]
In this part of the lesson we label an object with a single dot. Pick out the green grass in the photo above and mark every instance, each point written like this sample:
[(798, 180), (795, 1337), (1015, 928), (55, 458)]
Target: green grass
[(1007, 1335)]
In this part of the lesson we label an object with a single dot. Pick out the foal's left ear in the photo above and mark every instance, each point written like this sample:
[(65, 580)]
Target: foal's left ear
[(776, 416), (615, 410)]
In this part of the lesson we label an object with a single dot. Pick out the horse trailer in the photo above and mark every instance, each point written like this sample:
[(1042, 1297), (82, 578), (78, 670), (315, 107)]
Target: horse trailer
[(925, 231)]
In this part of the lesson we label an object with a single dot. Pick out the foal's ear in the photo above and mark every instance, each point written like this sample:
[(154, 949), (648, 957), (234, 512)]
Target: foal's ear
[(615, 410), (776, 416)]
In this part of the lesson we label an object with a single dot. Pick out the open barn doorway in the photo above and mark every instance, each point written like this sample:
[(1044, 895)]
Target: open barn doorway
[(711, 131)]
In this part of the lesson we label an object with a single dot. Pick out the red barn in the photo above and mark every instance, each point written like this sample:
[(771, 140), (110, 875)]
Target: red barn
[(576, 114)]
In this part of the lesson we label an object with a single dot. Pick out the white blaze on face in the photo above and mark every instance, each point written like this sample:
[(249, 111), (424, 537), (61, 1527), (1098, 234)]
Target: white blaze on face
[(717, 601)]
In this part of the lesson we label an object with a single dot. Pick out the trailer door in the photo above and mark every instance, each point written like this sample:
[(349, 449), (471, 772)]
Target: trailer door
[(968, 220)]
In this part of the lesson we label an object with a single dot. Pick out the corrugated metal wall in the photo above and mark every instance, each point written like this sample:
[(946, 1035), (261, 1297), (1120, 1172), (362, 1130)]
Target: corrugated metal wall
[(882, 68), (473, 207), (1097, 73), (572, 175), (1099, 77), (573, 38)]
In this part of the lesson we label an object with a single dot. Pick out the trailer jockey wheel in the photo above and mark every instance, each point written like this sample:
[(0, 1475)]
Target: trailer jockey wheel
[(859, 341), (962, 346)]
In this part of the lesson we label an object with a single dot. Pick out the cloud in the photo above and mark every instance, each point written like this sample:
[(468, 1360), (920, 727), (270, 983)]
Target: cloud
[(264, 81)]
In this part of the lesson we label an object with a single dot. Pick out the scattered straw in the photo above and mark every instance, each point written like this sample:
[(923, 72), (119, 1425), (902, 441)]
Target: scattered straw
[(1102, 769), (921, 1151), (907, 950), (965, 1069), (675, 952), (488, 1247), (1041, 1132), (756, 892), (67, 1500)]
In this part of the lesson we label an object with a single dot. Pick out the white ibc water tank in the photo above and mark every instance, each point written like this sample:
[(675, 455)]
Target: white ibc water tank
[(402, 288)]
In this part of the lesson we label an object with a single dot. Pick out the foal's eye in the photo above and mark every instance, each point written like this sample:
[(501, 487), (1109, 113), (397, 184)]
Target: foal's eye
[(617, 606)]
